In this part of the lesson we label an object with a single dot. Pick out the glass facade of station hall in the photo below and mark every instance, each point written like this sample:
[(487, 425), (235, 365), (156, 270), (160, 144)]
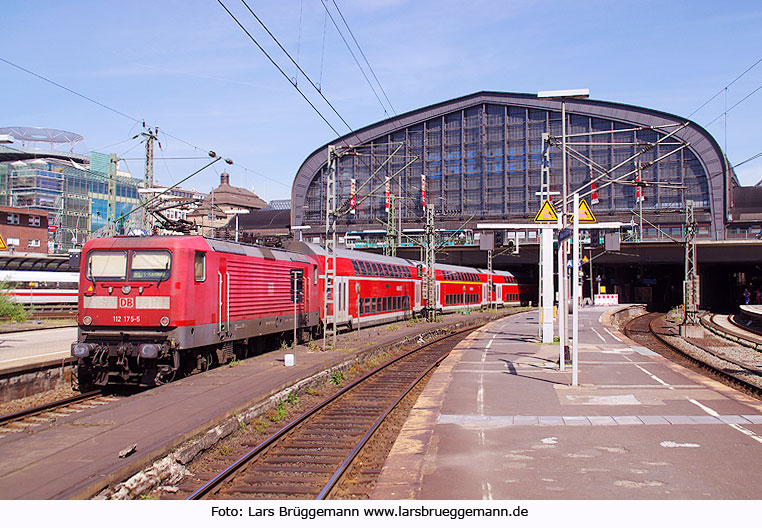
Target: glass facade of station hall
[(484, 161)]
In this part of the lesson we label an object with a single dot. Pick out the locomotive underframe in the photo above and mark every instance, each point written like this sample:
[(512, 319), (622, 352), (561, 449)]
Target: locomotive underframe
[(147, 357)]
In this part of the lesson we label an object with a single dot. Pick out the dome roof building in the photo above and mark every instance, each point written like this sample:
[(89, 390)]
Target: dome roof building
[(214, 211)]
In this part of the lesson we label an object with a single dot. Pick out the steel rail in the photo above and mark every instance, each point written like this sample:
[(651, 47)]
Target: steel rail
[(334, 480), (39, 409), (250, 456), (751, 344), (696, 361)]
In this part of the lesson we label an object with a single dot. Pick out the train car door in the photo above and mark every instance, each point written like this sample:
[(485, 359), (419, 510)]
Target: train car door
[(486, 293), (417, 305), (342, 304), (223, 297), (499, 297)]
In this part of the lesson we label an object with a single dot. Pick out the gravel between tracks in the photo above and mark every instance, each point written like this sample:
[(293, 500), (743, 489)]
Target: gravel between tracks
[(670, 332), (34, 400)]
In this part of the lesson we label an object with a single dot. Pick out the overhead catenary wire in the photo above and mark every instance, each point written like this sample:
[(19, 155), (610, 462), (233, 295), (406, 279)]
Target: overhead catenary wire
[(274, 63), (752, 158), (292, 60), (725, 88), (30, 72), (322, 51), (354, 57), (316, 87), (299, 38), (735, 105), (364, 57), (122, 114)]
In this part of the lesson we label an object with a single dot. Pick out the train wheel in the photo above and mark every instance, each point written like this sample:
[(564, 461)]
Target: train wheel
[(204, 361), (165, 375)]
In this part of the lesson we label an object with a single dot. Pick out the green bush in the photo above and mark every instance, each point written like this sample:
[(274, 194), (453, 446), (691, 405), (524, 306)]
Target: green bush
[(9, 308)]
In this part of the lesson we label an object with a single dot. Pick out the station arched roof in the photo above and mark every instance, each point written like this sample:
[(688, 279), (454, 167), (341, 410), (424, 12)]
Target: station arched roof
[(707, 151)]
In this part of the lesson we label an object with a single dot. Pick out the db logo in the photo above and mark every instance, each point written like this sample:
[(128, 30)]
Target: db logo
[(126, 302)]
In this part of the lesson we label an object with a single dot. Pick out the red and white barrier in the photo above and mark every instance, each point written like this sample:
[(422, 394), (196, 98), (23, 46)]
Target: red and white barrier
[(607, 299)]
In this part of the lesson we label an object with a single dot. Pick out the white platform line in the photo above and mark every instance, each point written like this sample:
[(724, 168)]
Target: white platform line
[(612, 335), (737, 427), (35, 356)]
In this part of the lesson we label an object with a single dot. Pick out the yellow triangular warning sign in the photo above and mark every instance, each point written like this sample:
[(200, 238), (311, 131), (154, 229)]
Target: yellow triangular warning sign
[(3, 247), (546, 213), (586, 215)]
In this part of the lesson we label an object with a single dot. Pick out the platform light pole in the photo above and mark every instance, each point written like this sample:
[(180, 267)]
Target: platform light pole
[(298, 231), (563, 248), (236, 212)]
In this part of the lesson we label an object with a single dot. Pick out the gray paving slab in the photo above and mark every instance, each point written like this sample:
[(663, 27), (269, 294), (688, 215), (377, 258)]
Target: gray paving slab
[(653, 420), (733, 419), (637, 427)]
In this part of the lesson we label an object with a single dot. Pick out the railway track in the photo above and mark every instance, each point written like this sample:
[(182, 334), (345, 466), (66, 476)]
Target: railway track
[(706, 355), (48, 412), (310, 457)]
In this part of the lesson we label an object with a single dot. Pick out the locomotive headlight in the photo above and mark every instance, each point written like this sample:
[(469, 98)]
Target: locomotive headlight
[(126, 289), (81, 350), (148, 351), (164, 321), (87, 320)]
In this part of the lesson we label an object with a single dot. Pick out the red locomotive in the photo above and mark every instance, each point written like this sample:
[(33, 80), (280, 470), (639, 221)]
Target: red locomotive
[(155, 308)]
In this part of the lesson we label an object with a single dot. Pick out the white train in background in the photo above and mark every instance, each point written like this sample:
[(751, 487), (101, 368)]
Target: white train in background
[(40, 287)]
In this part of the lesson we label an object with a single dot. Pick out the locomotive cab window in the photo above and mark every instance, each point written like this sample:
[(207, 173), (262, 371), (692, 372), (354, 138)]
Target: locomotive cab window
[(150, 265), (106, 265), (199, 266)]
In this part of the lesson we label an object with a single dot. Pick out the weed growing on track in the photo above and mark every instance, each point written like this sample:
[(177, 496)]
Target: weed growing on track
[(259, 425), (337, 378), (277, 414)]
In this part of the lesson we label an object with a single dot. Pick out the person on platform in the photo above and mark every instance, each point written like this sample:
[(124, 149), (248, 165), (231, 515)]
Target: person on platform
[(746, 295)]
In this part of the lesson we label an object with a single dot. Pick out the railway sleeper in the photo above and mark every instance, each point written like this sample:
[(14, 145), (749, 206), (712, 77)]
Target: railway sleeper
[(315, 470), (267, 493), (317, 444), (289, 479), (298, 460), (315, 448)]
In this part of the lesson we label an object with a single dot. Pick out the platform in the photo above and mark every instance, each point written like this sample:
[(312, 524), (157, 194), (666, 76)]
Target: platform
[(80, 454), (503, 422)]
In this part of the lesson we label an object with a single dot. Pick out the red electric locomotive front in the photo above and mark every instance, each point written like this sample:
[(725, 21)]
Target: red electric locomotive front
[(153, 308)]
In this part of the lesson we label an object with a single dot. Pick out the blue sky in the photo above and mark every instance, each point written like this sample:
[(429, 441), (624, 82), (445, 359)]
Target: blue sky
[(186, 67)]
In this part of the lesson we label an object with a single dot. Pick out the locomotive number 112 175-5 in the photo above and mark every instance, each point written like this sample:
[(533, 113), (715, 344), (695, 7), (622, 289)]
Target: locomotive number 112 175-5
[(126, 318)]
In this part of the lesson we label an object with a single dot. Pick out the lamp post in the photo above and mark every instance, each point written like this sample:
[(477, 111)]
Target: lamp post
[(236, 212), (299, 230), (563, 248)]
